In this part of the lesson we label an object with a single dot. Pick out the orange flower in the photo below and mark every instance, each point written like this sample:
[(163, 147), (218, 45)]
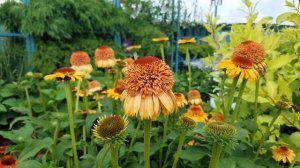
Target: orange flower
[(217, 116), (180, 99), (196, 113), (148, 85), (160, 39), (65, 73), (194, 97), (283, 154), (94, 86), (81, 62), (128, 61), (254, 52), (8, 161), (2, 150), (105, 57), (187, 40)]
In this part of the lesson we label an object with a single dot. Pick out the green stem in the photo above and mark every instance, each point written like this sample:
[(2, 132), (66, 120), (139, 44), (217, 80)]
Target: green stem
[(162, 52), (147, 135), (221, 97), (100, 164), (85, 97), (28, 102), (163, 140), (99, 106), (230, 97), (77, 96), (239, 100), (71, 121), (114, 150), (179, 149), (137, 129), (42, 97), (255, 112), (215, 156), (55, 139), (188, 61), (84, 139), (267, 133), (135, 55)]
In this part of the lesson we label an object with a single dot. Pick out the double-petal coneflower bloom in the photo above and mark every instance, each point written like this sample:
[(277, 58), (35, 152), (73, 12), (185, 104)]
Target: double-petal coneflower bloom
[(180, 99), (105, 57), (197, 113), (247, 61), (194, 97), (8, 161), (283, 154), (148, 84), (81, 62)]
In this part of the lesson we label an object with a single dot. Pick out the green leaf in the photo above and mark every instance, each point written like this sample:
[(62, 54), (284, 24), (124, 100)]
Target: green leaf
[(2, 108), (227, 162), (8, 90), (279, 62), (34, 147), (29, 164), (138, 147), (11, 102), (289, 16), (193, 154), (295, 139), (289, 4)]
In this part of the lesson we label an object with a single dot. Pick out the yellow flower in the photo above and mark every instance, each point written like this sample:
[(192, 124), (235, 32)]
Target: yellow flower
[(65, 73), (148, 84), (283, 154), (187, 40), (116, 92), (105, 57), (239, 66), (133, 47), (88, 112), (160, 39), (194, 97), (180, 99), (196, 113)]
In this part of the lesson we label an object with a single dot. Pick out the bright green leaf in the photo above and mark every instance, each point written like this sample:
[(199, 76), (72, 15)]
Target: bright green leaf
[(34, 147), (29, 164)]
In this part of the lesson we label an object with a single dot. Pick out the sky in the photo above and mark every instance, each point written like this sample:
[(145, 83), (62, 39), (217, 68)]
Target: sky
[(230, 9)]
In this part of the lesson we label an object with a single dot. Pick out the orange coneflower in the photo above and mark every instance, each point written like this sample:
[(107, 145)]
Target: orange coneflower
[(160, 39), (283, 154), (148, 89), (216, 116), (65, 73), (187, 40), (194, 97), (105, 57), (127, 62), (116, 92), (180, 99), (246, 62), (8, 161), (94, 86), (81, 62), (253, 51), (197, 113)]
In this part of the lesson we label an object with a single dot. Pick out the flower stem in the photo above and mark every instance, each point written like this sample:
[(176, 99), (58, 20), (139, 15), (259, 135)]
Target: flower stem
[(28, 102), (163, 140), (147, 135), (114, 150), (55, 138), (255, 112), (77, 96), (84, 139), (179, 148), (230, 97), (135, 55), (188, 61), (221, 97), (239, 100), (215, 156), (137, 129), (71, 121), (162, 52), (267, 133)]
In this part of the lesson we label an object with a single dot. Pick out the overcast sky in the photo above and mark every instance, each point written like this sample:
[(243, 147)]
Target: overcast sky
[(230, 9)]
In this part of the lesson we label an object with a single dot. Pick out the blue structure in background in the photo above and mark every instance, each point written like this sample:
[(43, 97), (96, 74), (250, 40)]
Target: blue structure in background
[(117, 35), (29, 38)]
